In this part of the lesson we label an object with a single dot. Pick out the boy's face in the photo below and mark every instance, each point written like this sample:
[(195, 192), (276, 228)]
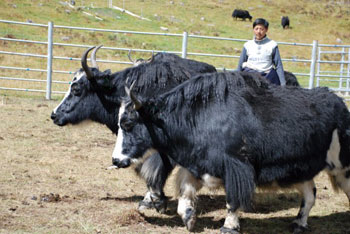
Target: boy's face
[(259, 31)]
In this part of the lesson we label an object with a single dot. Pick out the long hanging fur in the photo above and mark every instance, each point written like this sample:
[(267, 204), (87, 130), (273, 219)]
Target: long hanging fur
[(304, 148)]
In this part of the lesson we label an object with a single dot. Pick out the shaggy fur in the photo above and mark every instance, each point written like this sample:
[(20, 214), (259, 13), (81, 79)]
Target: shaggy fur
[(99, 100), (234, 127)]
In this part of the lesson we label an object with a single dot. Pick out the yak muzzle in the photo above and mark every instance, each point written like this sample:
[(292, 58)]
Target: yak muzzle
[(121, 163), (58, 120), (53, 116)]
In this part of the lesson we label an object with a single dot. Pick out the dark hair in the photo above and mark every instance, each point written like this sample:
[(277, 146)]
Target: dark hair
[(261, 21)]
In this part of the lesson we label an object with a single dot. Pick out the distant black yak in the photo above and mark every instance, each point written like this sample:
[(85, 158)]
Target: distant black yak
[(285, 22), (242, 14)]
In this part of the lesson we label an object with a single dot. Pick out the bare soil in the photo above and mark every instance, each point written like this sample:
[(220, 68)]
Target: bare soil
[(54, 180)]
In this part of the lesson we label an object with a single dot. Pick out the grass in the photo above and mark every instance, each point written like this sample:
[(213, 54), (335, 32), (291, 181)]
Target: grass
[(322, 20)]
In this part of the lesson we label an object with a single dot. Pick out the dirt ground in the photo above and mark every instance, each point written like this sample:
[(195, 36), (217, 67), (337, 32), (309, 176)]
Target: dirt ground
[(54, 180)]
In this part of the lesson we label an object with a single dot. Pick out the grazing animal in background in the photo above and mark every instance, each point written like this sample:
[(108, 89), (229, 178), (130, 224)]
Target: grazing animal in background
[(285, 22), (241, 14), (243, 136), (96, 95)]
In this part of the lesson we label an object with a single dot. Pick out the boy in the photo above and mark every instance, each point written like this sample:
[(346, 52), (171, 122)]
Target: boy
[(262, 55)]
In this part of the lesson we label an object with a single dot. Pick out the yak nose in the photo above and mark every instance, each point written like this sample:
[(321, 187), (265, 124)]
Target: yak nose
[(121, 163), (53, 115)]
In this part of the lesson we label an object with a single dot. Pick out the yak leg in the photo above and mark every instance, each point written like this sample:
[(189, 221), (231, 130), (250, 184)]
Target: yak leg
[(239, 187), (338, 170), (341, 179), (231, 224), (345, 183), (155, 171), (187, 186), (154, 199), (308, 190)]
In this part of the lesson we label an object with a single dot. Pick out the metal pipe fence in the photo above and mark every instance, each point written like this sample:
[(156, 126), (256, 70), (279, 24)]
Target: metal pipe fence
[(184, 38), (343, 74)]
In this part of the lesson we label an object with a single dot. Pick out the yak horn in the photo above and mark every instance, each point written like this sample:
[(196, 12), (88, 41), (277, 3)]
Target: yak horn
[(93, 56), (84, 63), (137, 103), (152, 58), (129, 56)]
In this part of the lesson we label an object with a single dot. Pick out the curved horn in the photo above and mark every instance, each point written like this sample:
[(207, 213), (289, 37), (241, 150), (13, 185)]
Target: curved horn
[(93, 56), (84, 63), (152, 58), (129, 56), (137, 103)]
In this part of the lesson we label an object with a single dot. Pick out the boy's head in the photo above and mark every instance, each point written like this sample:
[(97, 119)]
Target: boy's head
[(260, 28), (262, 22)]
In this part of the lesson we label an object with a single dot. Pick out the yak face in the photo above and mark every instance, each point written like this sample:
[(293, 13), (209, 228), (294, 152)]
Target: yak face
[(78, 102), (89, 97), (133, 140)]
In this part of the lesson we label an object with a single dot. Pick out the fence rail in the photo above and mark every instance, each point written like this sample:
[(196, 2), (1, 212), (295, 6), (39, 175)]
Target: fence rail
[(315, 57)]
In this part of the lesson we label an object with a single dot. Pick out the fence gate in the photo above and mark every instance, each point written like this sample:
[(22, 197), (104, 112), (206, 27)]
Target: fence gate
[(333, 69)]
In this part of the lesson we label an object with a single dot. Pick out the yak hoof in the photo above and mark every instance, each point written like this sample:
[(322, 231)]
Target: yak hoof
[(297, 229), (143, 205), (229, 230), (190, 219), (160, 205)]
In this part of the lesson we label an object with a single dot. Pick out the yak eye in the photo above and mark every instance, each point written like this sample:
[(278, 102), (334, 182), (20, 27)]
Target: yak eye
[(126, 125), (76, 89)]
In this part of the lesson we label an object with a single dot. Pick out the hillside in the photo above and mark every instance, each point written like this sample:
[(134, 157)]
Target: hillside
[(325, 21), (320, 20)]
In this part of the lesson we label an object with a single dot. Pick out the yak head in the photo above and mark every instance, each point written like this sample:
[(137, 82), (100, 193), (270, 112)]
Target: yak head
[(84, 99), (133, 139)]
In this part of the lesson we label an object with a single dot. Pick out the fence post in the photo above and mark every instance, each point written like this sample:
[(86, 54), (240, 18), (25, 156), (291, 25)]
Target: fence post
[(342, 67), (184, 44), (110, 3), (348, 73), (318, 68), (49, 60), (313, 64)]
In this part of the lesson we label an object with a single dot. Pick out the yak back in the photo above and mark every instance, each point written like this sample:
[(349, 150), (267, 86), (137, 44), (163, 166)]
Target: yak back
[(206, 88), (164, 73), (192, 66), (286, 131)]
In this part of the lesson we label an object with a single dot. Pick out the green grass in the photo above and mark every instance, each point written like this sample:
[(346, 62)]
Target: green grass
[(321, 20)]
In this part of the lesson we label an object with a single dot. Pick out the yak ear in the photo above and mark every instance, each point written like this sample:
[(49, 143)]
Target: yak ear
[(152, 58), (130, 93)]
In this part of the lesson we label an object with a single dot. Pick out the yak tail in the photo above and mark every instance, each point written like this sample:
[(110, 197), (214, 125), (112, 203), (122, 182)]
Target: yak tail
[(239, 182)]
